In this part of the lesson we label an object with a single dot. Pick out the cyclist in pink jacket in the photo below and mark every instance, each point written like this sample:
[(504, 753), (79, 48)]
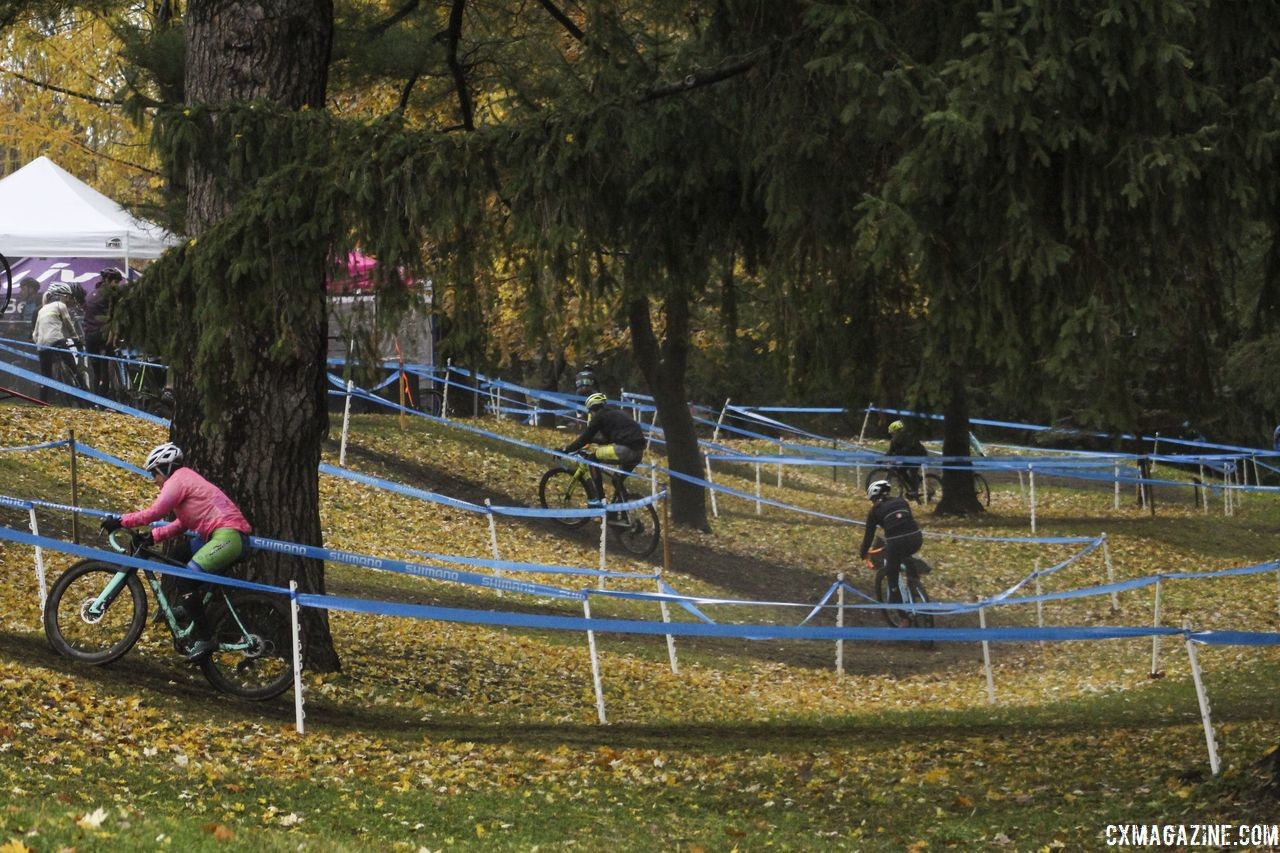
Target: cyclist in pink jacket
[(197, 505)]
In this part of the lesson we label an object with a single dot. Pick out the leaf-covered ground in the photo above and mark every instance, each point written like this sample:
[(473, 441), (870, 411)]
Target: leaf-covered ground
[(439, 735)]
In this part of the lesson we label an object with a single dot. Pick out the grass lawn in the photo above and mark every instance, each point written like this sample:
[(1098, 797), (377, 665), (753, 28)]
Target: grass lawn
[(438, 735)]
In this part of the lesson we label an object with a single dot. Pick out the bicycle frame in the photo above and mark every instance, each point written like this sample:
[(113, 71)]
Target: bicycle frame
[(179, 631)]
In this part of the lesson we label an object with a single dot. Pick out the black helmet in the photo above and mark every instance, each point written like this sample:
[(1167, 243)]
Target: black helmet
[(585, 380), (111, 274)]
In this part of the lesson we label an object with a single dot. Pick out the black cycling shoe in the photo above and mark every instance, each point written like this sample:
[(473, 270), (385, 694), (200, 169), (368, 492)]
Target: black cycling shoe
[(199, 649)]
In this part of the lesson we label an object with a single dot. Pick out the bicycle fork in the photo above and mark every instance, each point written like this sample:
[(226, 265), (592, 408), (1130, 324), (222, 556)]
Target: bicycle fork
[(98, 607)]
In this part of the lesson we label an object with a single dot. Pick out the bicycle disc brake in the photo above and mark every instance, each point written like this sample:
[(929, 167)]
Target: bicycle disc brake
[(87, 614)]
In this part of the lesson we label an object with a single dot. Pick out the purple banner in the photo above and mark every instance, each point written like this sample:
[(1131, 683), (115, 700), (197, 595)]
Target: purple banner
[(85, 271)]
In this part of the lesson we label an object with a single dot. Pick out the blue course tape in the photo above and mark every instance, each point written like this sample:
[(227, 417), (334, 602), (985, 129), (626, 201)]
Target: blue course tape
[(404, 567), (45, 446), (87, 396), (738, 631), (22, 538)]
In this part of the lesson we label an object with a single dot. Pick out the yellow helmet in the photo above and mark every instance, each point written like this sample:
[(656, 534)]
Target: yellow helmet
[(896, 426), (595, 401)]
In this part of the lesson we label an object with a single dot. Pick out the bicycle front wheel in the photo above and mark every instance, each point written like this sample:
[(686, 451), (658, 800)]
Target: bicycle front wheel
[(918, 596), (254, 655), (637, 530), (561, 489), (95, 612)]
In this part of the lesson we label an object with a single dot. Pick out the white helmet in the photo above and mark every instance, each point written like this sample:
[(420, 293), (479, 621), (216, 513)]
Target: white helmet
[(164, 459), (58, 289), (879, 489)]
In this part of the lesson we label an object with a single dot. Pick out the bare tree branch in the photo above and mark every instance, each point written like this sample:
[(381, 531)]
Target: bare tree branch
[(453, 36), (93, 99), (565, 20), (396, 17), (702, 78), (406, 92)]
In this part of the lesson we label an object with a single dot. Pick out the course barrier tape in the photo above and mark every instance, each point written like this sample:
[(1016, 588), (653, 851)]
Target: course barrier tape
[(79, 393)]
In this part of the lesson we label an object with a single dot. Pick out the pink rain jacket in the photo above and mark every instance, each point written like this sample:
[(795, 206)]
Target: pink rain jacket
[(198, 504)]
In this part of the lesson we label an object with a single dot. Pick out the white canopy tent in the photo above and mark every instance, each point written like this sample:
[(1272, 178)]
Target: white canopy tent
[(46, 211)]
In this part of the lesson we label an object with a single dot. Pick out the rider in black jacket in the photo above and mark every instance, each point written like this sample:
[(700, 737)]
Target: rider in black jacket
[(902, 536), (619, 440)]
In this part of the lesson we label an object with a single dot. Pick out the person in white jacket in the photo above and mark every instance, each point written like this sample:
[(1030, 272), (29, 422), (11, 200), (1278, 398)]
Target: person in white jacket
[(54, 326)]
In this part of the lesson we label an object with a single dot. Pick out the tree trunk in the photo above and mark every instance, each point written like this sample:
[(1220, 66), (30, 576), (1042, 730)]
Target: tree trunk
[(958, 493), (264, 448), (663, 366)]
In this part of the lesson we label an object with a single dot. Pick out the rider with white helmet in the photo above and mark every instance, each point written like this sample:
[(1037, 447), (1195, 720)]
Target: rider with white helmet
[(222, 533), (902, 536)]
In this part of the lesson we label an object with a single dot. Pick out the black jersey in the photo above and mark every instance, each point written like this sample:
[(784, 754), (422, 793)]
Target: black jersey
[(894, 515), (609, 426)]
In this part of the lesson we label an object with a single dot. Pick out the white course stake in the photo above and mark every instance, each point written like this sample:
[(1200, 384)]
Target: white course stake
[(780, 454), (493, 538), (715, 434), (346, 425), (757, 488), (862, 436), (604, 529), (296, 624), (840, 623), (1204, 492), (444, 403), (35, 531), (715, 511), (1117, 486), (1204, 702), (1039, 604), (595, 666), (1111, 573), (1155, 623), (666, 617), (1031, 478), (986, 658)]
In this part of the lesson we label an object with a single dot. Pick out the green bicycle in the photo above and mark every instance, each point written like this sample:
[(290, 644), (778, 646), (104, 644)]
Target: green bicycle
[(96, 611), (571, 486)]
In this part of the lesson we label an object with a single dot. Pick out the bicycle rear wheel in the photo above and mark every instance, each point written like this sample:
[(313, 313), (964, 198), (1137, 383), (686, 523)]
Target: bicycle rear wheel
[(255, 662), (932, 489), (982, 489), (883, 474), (561, 489), (67, 375), (96, 635), (637, 530)]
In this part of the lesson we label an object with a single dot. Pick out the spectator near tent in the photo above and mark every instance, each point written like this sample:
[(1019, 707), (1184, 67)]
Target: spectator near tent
[(97, 311), (29, 302)]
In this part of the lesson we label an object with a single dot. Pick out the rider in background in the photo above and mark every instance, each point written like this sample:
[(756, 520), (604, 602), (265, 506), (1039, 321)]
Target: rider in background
[(221, 529), (54, 326), (584, 383), (902, 536), (619, 440), (97, 311), (903, 442)]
